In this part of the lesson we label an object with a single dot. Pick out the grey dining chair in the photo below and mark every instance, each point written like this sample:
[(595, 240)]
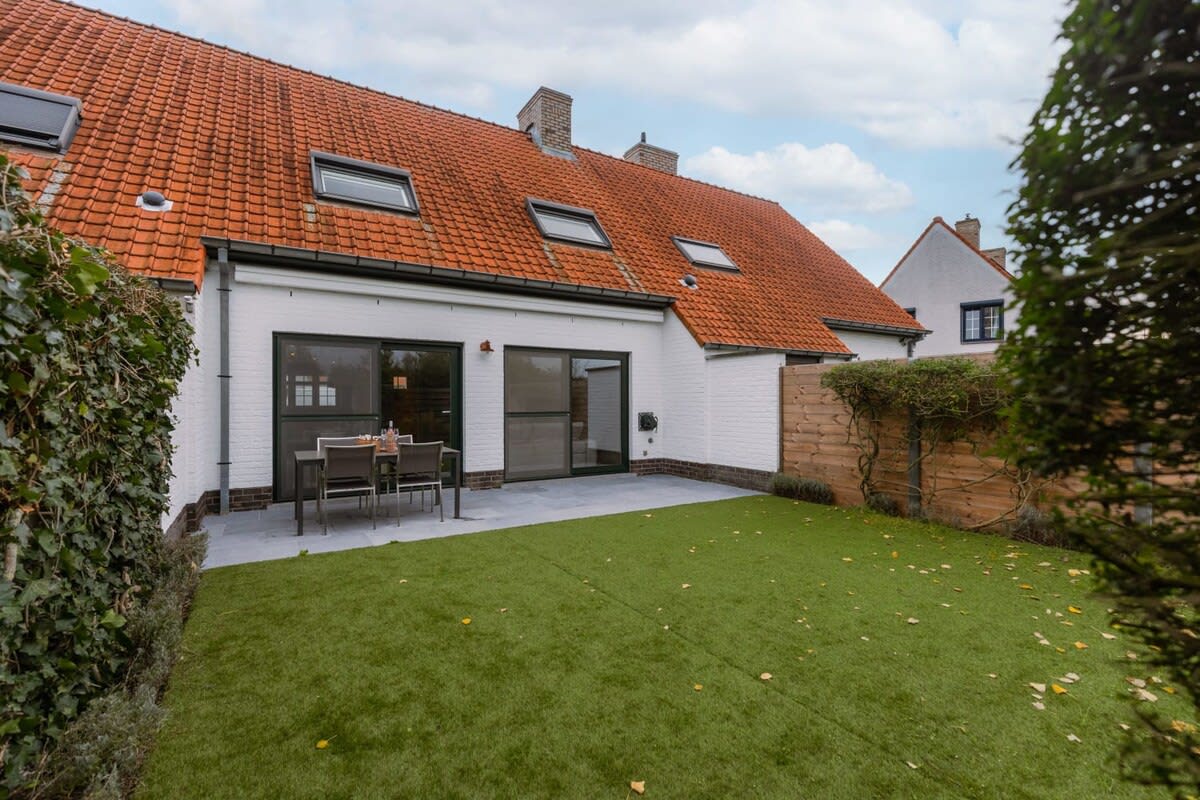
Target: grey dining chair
[(387, 469), (419, 466), (349, 471)]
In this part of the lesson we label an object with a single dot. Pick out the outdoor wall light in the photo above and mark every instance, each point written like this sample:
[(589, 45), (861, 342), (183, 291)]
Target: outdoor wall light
[(486, 346)]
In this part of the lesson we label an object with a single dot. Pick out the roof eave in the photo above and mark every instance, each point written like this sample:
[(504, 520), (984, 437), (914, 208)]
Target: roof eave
[(835, 324)]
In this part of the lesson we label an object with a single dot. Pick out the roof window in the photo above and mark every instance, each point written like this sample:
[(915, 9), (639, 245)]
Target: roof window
[(38, 119), (361, 182), (567, 224), (704, 254)]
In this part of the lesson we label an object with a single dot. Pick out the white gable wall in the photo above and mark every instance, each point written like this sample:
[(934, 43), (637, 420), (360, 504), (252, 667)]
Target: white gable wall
[(938, 276)]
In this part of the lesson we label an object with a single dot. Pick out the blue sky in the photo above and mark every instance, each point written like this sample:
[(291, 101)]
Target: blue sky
[(864, 118)]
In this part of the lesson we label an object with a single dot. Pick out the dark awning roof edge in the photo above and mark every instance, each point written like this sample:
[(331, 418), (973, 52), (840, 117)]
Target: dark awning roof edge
[(750, 348), (258, 253), (835, 324)]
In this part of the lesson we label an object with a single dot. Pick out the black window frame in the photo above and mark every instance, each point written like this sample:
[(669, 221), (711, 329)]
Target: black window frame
[(912, 312), (21, 136), (680, 241), (369, 169), (533, 205), (979, 305)]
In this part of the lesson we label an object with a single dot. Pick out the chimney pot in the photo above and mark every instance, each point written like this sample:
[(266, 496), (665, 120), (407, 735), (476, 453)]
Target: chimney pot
[(547, 118), (998, 256), (658, 158), (968, 228)]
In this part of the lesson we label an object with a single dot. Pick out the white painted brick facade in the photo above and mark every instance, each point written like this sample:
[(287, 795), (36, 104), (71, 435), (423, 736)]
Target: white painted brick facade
[(743, 410), (870, 346)]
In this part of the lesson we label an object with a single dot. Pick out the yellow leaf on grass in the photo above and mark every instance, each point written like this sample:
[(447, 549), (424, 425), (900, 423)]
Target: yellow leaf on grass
[(686, 586), (638, 787), (1081, 646), (698, 686), (895, 554), (1107, 635), (847, 559), (466, 620), (1054, 687), (766, 676), (1025, 586), (1074, 610)]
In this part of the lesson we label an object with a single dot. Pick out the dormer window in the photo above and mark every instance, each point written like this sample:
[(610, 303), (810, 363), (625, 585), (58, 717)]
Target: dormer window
[(362, 183), (567, 223), (38, 119), (704, 254)]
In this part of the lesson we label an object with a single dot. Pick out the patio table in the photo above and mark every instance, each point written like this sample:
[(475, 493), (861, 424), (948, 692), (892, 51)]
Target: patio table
[(315, 459)]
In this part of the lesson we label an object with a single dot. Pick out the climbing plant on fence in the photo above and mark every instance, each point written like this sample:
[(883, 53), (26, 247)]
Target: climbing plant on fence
[(90, 359), (943, 400)]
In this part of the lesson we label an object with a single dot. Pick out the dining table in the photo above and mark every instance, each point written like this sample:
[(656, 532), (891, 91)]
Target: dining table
[(315, 459)]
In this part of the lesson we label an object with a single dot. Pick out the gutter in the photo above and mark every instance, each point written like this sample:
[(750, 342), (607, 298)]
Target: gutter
[(835, 324), (223, 375), (719, 348), (247, 252)]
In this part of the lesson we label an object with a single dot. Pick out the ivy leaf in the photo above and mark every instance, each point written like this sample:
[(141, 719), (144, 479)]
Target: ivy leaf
[(85, 274), (112, 619)]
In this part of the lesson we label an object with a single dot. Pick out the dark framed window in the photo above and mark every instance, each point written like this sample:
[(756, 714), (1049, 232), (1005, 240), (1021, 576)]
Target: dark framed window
[(363, 183), (983, 322), (704, 254), (566, 412), (567, 223), (344, 386), (38, 119)]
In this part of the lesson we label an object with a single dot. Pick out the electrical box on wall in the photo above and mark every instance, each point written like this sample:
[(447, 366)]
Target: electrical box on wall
[(647, 421)]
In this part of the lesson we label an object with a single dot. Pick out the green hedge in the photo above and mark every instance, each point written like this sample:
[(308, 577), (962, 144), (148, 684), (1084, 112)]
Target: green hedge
[(90, 360)]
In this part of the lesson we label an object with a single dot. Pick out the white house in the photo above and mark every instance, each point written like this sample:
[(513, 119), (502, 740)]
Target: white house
[(350, 259), (954, 289)]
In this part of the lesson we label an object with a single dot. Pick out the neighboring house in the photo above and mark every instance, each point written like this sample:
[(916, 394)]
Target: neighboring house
[(350, 258), (954, 289)]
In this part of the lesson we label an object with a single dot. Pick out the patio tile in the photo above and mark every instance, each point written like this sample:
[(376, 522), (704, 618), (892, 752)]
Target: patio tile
[(269, 533)]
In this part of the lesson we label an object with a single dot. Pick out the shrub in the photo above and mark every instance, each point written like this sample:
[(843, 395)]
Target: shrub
[(810, 490), (90, 361), (884, 504)]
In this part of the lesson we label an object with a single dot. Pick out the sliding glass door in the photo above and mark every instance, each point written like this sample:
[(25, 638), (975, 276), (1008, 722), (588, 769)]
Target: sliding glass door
[(341, 386), (565, 413)]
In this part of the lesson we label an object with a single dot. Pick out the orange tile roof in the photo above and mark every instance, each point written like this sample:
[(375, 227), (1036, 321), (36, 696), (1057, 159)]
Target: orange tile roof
[(226, 136)]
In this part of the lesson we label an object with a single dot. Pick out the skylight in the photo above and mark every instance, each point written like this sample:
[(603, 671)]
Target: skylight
[(568, 224), (338, 178), (704, 254), (36, 118)]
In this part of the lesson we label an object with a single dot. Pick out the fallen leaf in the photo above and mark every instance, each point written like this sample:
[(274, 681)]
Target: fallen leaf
[(1040, 688), (1081, 646), (911, 765), (957, 589), (865, 638), (1138, 682), (466, 621), (1057, 689), (993, 675), (322, 744), (686, 586), (847, 559), (504, 611), (912, 620), (647, 515), (1071, 677), (945, 566), (698, 686), (1044, 564), (766, 676), (1025, 586), (1073, 738), (1123, 726), (1169, 689), (1039, 705), (1108, 635), (895, 554), (404, 580), (1074, 610), (638, 787)]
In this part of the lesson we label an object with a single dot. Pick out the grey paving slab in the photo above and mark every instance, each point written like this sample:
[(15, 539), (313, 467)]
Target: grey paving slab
[(270, 533)]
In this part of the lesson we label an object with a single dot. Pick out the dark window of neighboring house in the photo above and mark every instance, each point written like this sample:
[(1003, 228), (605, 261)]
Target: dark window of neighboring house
[(983, 322), (36, 118), (705, 254), (337, 178), (793, 359), (567, 224)]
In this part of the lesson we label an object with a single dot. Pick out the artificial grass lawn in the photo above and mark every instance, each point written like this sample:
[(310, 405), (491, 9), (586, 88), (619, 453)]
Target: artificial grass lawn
[(578, 670)]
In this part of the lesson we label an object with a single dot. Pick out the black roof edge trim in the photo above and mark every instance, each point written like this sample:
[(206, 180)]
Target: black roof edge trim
[(247, 252), (751, 348), (176, 285), (833, 323)]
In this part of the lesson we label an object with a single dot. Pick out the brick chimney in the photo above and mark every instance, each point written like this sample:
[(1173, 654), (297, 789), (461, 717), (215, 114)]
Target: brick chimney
[(547, 119), (998, 256), (968, 229), (658, 158)]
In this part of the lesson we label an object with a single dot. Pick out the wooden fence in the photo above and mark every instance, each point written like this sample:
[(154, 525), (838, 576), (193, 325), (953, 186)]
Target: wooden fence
[(961, 483)]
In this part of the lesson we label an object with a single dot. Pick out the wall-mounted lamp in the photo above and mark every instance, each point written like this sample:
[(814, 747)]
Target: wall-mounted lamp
[(486, 346)]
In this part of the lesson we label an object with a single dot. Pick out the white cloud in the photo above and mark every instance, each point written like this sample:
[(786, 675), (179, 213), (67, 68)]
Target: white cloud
[(830, 175), (922, 73), (845, 236)]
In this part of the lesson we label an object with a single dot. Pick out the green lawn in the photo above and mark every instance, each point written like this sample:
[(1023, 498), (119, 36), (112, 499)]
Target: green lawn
[(632, 647)]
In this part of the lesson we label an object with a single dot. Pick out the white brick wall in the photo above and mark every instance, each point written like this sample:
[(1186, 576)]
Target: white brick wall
[(936, 277), (743, 410), (871, 346)]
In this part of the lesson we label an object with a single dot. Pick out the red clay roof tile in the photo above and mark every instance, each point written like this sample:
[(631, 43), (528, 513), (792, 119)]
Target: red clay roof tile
[(227, 137)]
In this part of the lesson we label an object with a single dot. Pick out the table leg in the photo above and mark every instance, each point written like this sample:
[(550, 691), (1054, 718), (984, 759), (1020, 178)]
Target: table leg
[(457, 484), (299, 501)]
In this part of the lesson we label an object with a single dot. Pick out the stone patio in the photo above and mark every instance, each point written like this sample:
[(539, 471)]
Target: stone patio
[(268, 534)]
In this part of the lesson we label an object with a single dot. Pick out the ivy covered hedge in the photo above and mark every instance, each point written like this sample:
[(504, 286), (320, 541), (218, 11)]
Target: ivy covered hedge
[(90, 360)]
